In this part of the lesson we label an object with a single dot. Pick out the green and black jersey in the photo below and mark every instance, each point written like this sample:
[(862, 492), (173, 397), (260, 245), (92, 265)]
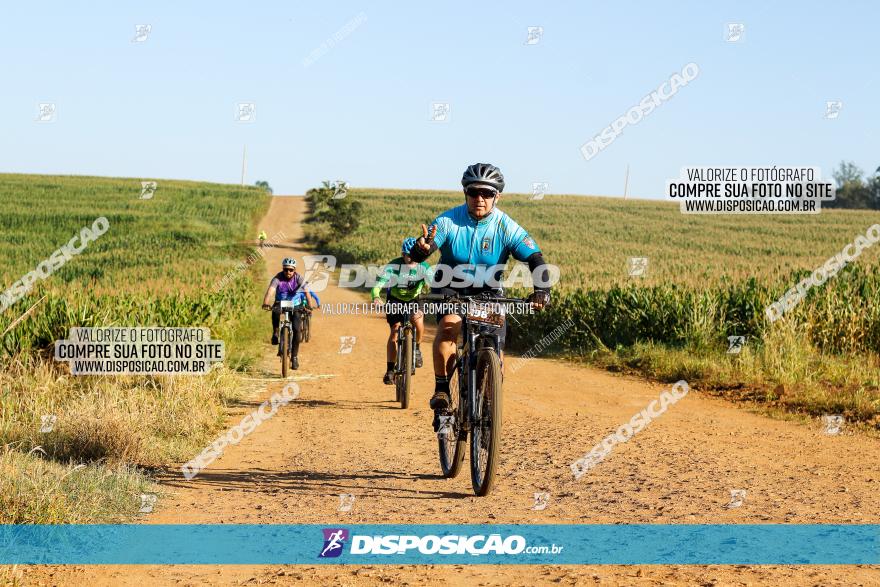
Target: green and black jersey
[(407, 281)]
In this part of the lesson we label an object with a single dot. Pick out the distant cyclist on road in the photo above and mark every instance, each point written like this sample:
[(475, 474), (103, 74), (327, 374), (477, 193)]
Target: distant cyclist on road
[(409, 280), (288, 285), (479, 234), (262, 238)]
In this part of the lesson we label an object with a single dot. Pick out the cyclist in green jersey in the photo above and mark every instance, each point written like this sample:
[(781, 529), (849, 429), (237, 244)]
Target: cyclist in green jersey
[(409, 280)]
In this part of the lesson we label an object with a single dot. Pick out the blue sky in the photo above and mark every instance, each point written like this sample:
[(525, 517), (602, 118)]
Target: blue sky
[(165, 107)]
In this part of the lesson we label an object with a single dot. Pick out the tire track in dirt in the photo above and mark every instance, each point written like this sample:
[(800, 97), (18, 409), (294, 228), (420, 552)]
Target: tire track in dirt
[(345, 434)]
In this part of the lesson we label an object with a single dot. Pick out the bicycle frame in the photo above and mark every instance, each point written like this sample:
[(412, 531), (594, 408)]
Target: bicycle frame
[(285, 319), (477, 413), (473, 335)]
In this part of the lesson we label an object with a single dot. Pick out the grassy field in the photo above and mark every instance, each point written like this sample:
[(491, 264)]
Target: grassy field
[(158, 264), (708, 277), (175, 247)]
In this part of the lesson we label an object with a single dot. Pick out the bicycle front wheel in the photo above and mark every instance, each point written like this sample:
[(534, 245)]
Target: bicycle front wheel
[(285, 350), (486, 435), (453, 437), (307, 327)]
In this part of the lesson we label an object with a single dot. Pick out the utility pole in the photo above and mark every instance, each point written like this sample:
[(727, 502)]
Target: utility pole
[(243, 164), (626, 182)]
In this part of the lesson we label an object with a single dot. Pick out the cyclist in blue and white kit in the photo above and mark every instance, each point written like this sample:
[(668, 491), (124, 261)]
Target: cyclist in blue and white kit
[(480, 235)]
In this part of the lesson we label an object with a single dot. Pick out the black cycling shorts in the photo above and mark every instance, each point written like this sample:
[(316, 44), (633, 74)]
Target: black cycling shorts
[(396, 317)]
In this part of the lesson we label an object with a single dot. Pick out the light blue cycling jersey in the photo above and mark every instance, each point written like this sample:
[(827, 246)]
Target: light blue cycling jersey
[(491, 241)]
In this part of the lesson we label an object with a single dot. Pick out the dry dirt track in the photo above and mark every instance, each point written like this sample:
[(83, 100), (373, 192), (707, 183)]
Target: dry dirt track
[(345, 435)]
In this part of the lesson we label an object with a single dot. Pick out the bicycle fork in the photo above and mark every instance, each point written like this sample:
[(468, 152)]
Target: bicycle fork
[(469, 369)]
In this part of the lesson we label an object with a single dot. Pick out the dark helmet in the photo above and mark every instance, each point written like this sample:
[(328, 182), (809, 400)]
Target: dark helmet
[(483, 174)]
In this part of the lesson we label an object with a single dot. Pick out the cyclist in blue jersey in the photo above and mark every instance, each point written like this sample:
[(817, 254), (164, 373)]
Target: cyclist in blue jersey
[(481, 237)]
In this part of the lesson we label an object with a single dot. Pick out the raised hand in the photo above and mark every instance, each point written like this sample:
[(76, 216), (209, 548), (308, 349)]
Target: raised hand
[(424, 241)]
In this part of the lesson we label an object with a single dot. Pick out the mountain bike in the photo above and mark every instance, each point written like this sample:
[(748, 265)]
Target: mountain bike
[(405, 365), (286, 350), (474, 389)]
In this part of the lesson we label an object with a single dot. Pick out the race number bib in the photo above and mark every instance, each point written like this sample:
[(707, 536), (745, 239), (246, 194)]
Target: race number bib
[(486, 313)]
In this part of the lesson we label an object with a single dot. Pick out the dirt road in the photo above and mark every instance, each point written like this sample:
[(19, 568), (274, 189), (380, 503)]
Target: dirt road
[(346, 435)]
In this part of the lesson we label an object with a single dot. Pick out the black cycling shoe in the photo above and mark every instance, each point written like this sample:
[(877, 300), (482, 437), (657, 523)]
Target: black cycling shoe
[(275, 338), (418, 358), (440, 400), (295, 363), (389, 378)]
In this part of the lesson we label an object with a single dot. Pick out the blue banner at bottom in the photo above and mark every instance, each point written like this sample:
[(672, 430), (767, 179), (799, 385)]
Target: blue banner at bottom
[(559, 544)]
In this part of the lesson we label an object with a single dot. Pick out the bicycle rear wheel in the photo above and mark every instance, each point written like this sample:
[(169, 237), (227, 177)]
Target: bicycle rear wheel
[(452, 440), (285, 350), (486, 435)]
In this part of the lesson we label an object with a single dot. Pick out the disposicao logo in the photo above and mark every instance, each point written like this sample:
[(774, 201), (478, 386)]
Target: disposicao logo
[(443, 545), (334, 541)]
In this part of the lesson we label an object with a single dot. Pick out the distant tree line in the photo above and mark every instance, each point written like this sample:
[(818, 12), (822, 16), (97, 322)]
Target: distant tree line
[(854, 190)]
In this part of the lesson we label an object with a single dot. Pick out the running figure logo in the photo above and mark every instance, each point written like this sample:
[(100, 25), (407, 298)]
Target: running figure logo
[(340, 189), (148, 190), (832, 109), (833, 424), (541, 501), (141, 32), (334, 540), (735, 32), (539, 190), (638, 266), (535, 33), (440, 111), (737, 497), (736, 344), (47, 423), (46, 112), (318, 268), (346, 344)]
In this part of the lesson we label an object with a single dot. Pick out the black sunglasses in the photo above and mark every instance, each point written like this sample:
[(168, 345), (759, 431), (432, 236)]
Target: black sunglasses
[(288, 269), (481, 193)]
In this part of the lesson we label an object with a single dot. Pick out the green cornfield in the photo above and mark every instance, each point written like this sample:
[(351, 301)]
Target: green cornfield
[(158, 263)]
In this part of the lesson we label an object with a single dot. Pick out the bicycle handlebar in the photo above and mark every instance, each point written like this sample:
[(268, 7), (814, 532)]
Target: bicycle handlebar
[(475, 297), (304, 306)]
